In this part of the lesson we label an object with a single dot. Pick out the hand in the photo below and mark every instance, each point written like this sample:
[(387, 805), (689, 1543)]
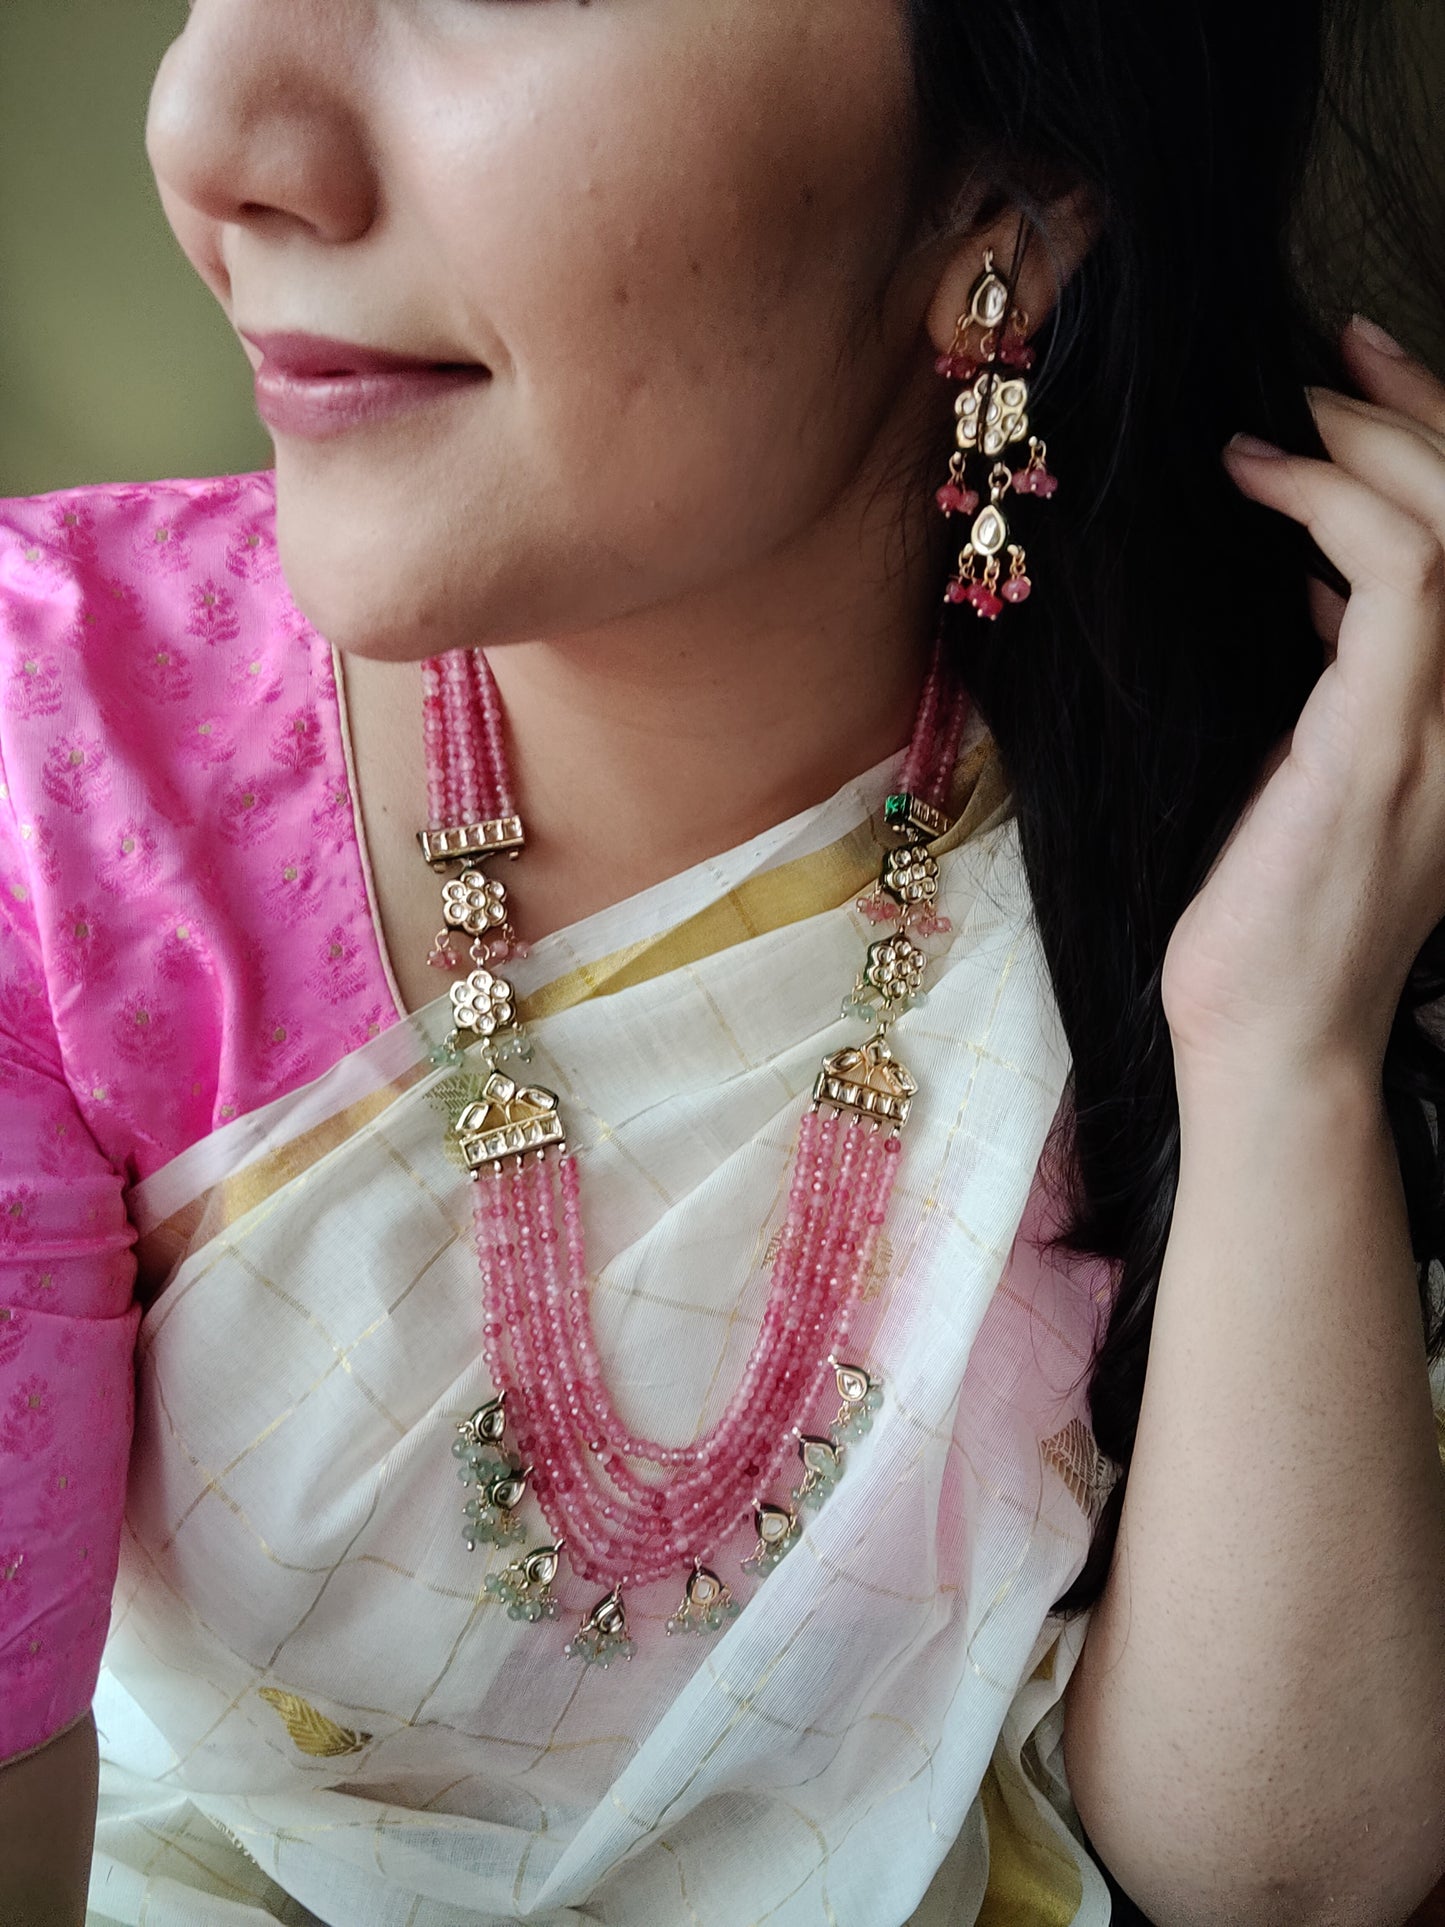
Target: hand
[(1295, 953)]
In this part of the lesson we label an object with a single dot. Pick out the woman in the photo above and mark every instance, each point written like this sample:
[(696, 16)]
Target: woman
[(629, 344)]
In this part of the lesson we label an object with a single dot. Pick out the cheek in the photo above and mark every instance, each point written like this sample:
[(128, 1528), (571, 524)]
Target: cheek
[(683, 296)]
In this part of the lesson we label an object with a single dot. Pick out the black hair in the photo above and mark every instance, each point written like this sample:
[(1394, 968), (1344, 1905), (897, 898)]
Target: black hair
[(1168, 644)]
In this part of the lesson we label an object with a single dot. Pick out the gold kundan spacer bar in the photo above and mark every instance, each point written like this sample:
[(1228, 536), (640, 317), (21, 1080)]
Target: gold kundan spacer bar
[(502, 837)]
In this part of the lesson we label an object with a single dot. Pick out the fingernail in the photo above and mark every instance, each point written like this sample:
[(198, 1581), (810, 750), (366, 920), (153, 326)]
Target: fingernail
[(1371, 332), (1251, 445)]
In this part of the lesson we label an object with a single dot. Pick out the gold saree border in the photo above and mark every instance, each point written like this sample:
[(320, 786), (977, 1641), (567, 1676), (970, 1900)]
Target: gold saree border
[(806, 887)]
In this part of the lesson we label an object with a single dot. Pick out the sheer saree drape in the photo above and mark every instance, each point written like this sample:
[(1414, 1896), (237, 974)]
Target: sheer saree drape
[(308, 1709)]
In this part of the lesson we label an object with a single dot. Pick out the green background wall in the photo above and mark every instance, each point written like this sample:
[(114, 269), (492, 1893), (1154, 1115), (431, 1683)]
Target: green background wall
[(115, 364)]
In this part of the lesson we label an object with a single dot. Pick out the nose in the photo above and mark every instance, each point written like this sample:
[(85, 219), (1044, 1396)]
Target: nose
[(257, 119)]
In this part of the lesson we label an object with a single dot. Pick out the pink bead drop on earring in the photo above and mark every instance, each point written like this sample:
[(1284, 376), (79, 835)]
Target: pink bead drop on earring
[(954, 500)]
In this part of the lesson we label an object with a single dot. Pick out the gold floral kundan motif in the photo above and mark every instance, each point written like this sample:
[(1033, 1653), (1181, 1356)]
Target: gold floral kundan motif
[(895, 968), (868, 1081), (508, 1122), (910, 875), (482, 1003), (993, 413), (474, 904)]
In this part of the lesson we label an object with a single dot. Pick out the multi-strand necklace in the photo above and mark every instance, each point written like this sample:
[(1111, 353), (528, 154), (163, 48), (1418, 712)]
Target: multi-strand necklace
[(622, 1509)]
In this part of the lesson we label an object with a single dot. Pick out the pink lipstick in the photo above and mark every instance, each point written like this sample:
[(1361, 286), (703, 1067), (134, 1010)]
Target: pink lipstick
[(315, 388)]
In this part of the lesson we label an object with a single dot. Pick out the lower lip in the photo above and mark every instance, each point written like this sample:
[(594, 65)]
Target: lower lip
[(319, 407)]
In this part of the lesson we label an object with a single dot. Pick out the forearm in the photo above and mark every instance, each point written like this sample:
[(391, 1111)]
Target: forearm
[(47, 1830), (1260, 1707)]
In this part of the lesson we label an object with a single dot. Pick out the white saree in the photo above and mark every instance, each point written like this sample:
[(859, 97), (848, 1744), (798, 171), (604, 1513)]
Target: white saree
[(310, 1711)]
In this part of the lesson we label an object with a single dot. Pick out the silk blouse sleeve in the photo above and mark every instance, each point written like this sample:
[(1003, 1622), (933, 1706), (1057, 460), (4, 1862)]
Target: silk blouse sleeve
[(68, 1322)]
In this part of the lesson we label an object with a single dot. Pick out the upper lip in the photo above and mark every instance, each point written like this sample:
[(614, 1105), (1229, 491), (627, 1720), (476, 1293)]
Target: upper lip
[(314, 357)]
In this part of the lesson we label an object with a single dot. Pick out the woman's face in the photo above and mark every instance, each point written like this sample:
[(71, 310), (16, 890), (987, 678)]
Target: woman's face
[(670, 234)]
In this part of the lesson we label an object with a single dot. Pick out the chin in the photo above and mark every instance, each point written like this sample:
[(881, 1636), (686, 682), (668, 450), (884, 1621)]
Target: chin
[(372, 586)]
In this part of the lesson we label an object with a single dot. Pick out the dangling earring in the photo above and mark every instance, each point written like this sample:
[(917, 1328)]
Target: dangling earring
[(992, 410)]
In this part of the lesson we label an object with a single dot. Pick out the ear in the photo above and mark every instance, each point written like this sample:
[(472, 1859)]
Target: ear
[(1038, 253)]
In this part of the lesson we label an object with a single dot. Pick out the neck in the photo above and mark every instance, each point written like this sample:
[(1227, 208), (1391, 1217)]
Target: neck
[(643, 746), (640, 751)]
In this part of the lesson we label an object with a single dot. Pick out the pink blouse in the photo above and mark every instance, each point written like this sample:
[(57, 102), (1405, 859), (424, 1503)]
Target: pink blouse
[(185, 934)]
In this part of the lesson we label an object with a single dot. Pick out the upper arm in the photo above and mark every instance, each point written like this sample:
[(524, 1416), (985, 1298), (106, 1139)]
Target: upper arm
[(67, 1332)]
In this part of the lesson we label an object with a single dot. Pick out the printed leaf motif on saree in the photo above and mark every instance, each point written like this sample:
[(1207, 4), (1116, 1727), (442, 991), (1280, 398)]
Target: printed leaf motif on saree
[(312, 1732), (1086, 1472)]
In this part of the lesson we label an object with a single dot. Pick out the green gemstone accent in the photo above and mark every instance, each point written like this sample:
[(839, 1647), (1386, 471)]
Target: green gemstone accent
[(895, 810)]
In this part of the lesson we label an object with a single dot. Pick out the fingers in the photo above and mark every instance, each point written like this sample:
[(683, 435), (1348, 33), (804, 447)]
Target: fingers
[(1370, 538), (1391, 645), (1402, 463), (1391, 377), (1376, 509)]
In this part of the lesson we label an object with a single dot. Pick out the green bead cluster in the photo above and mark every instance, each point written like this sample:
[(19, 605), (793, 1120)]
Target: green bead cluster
[(480, 1464), (523, 1598), (769, 1558), (859, 1420), (491, 1525), (809, 1496), (597, 1648), (822, 1469), (712, 1620), (487, 1521), (512, 1042), (868, 1013)]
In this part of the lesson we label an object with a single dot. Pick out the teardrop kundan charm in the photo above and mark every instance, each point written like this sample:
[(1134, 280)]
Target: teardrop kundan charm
[(862, 1397), (707, 1604), (603, 1636), (525, 1587), (777, 1530)]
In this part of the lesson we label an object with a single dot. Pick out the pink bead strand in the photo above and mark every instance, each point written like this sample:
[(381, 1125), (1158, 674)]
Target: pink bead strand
[(468, 775), (647, 1530), (952, 724), (704, 1507), (917, 764), (434, 736), (488, 702)]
